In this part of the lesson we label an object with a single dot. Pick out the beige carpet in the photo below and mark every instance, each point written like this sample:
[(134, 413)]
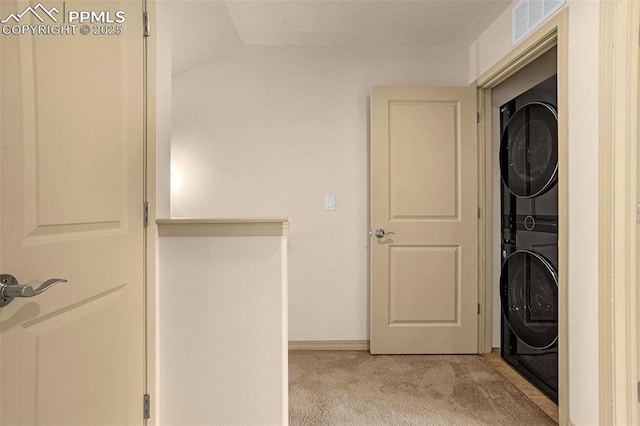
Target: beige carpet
[(355, 388)]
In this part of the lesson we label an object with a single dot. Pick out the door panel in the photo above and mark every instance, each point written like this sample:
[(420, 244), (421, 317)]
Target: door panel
[(422, 159), (48, 362), (424, 195), (71, 207), (424, 285)]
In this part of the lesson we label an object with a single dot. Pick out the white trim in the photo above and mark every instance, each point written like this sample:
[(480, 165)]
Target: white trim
[(284, 324), (485, 224), (223, 227), (329, 345), (617, 343)]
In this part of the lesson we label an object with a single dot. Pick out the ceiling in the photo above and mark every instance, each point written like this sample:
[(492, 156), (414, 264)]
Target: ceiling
[(205, 28)]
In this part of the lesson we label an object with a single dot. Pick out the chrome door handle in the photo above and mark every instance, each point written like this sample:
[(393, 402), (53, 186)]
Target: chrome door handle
[(380, 233), (10, 289)]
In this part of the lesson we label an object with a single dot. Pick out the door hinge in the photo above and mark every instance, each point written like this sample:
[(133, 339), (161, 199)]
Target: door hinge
[(145, 214), (478, 117), (638, 213), (478, 309), (478, 212), (146, 406), (146, 27)]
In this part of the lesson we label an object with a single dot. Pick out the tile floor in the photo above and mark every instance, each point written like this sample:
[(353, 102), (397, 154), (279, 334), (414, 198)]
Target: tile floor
[(537, 397)]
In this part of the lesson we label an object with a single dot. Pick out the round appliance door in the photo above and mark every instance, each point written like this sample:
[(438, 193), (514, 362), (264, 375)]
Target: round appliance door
[(529, 296), (529, 150)]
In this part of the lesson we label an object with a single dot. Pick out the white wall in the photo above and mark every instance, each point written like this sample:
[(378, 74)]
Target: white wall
[(269, 131), (582, 265), (163, 108), (222, 335), (491, 46)]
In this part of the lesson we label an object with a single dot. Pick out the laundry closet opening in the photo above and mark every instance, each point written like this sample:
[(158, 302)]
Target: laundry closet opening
[(525, 222)]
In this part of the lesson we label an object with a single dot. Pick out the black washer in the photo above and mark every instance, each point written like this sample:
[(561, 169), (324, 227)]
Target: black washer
[(529, 295), (529, 150)]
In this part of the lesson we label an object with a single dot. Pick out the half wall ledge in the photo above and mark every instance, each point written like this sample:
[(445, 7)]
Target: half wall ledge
[(223, 227)]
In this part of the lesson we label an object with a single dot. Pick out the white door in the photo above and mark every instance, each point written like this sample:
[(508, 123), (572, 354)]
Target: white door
[(424, 254), (71, 160)]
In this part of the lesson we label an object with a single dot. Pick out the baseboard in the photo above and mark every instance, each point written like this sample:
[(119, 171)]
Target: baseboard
[(329, 345), (570, 423)]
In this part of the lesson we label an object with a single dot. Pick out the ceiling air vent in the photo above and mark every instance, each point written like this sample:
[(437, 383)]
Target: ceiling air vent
[(529, 14)]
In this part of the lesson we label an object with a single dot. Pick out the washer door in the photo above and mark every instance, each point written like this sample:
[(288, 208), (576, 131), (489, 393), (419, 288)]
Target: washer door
[(529, 295), (529, 150)]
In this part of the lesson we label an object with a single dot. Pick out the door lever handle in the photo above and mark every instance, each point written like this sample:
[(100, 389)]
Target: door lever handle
[(10, 289), (380, 233)]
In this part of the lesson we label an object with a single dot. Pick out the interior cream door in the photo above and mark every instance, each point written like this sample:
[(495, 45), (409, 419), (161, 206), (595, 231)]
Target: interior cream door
[(71, 162), (424, 252)]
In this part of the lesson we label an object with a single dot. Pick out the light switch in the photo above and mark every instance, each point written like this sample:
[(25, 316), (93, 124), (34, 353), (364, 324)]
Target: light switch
[(330, 202)]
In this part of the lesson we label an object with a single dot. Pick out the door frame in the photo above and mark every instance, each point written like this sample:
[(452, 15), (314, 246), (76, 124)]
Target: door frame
[(150, 308), (617, 227), (553, 33)]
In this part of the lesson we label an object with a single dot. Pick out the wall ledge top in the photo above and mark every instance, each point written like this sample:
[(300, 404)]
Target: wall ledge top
[(223, 227)]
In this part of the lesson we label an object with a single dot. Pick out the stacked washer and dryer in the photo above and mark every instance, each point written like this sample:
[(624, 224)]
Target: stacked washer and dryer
[(529, 249)]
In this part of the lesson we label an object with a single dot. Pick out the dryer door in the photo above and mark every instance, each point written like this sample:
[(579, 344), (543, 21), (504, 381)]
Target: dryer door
[(529, 295), (529, 150)]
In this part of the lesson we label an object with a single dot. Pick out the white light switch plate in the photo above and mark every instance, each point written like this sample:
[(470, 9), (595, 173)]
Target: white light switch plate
[(330, 202)]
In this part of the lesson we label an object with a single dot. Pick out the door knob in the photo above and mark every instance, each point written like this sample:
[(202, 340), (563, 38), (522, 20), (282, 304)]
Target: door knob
[(10, 289), (380, 233)]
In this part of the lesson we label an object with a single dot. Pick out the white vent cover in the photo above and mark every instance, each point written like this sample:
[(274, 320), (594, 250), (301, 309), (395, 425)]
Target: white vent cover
[(529, 14)]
